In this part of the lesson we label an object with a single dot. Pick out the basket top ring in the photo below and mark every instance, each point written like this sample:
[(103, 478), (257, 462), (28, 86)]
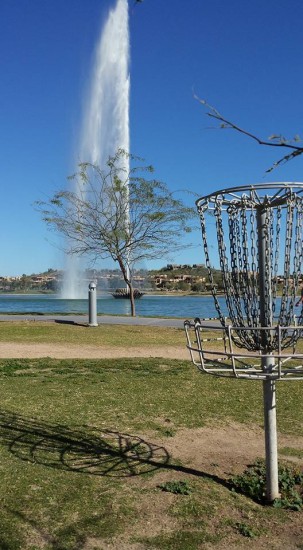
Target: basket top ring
[(272, 194)]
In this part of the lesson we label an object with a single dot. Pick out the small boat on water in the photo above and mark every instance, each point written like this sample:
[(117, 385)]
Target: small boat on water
[(124, 293)]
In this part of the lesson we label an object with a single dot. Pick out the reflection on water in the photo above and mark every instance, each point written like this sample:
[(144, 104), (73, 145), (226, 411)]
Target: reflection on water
[(186, 307)]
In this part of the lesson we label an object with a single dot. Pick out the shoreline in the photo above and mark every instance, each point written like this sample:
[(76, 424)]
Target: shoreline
[(107, 293)]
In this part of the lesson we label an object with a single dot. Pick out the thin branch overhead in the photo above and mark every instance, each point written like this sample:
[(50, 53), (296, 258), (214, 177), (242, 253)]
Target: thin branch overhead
[(275, 140)]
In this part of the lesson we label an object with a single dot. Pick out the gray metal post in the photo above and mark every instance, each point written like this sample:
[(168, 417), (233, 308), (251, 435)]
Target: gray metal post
[(92, 305), (269, 386), (271, 444)]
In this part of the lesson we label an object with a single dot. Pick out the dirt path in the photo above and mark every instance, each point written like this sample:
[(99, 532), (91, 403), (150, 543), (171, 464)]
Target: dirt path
[(69, 351)]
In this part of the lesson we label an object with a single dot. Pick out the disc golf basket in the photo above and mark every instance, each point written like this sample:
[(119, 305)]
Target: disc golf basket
[(258, 245)]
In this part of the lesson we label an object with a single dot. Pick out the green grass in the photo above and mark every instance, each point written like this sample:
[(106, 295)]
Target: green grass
[(135, 393), (78, 452), (107, 335), (124, 393), (290, 451)]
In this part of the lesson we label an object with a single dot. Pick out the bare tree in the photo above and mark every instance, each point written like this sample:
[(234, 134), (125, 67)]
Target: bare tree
[(275, 140), (117, 213)]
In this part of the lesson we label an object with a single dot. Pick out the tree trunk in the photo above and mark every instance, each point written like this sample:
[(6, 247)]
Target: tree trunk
[(131, 298), (129, 286)]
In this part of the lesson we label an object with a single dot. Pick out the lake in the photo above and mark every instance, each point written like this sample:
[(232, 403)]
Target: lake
[(186, 307)]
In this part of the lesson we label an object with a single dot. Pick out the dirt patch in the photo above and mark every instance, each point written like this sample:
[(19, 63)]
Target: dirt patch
[(213, 452), (69, 351), (224, 450)]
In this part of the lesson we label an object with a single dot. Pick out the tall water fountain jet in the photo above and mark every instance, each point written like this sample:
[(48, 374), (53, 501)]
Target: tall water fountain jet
[(105, 126)]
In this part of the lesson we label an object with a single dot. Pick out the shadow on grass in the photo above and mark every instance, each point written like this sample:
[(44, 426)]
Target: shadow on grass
[(74, 323), (86, 449), (71, 536)]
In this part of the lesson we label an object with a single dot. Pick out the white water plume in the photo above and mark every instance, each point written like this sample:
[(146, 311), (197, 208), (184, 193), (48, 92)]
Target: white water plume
[(105, 127)]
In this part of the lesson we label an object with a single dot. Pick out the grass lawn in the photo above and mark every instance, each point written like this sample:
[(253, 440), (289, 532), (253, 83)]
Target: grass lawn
[(80, 460), (107, 335), (83, 453)]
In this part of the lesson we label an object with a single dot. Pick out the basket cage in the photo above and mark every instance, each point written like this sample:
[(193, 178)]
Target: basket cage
[(251, 281), (254, 234), (229, 361)]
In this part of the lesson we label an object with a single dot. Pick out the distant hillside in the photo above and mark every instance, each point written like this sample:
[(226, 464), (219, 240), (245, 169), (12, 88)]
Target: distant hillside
[(171, 277)]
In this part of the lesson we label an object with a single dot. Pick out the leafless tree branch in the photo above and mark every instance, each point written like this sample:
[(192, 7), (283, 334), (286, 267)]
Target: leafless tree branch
[(275, 140)]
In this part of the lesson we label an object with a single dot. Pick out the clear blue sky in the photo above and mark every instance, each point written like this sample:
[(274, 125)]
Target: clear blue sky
[(244, 57)]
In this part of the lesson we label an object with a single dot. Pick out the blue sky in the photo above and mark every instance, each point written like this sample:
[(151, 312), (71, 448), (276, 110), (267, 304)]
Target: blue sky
[(244, 57)]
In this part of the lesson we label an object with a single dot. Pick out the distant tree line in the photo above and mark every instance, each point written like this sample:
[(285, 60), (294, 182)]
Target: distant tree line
[(185, 278)]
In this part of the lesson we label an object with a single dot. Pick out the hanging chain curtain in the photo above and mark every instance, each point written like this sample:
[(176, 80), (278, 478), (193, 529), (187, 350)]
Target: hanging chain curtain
[(236, 221)]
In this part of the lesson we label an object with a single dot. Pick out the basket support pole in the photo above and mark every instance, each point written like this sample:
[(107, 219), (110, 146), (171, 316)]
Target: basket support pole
[(269, 387), (271, 444)]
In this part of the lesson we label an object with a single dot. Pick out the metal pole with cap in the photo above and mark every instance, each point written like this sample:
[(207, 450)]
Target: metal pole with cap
[(92, 305)]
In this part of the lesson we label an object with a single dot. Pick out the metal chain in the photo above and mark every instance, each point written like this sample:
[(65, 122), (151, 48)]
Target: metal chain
[(235, 254), (249, 271), (299, 249), (267, 306), (208, 264), (226, 276), (239, 264), (246, 287), (255, 306), (238, 295), (284, 318), (271, 255), (296, 275), (277, 252)]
